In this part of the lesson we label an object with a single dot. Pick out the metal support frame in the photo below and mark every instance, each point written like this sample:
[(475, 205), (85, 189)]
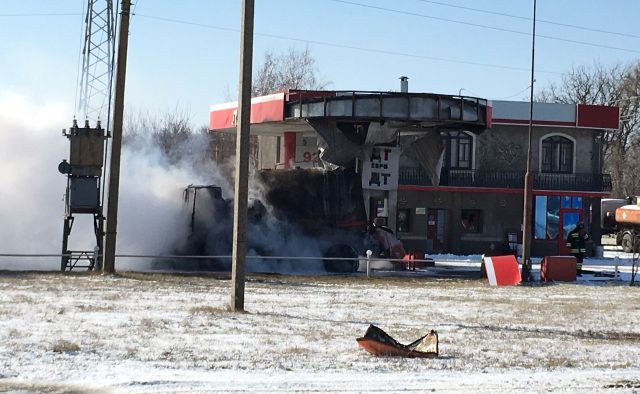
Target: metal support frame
[(93, 102), (97, 65), (70, 258)]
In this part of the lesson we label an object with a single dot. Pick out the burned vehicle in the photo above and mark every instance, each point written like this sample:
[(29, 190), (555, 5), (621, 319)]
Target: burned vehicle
[(303, 213)]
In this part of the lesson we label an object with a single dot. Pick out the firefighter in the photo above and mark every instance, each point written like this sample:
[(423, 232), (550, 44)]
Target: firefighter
[(576, 243)]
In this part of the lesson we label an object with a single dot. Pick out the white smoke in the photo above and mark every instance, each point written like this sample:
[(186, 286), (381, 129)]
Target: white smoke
[(152, 218), (31, 188)]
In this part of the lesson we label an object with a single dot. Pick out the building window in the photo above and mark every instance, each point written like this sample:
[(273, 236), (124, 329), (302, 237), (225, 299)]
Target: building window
[(471, 221), (557, 155), (547, 214), (403, 222), (458, 150)]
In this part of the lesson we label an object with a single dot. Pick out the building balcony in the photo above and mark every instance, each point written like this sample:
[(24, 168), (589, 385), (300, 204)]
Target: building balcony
[(508, 179)]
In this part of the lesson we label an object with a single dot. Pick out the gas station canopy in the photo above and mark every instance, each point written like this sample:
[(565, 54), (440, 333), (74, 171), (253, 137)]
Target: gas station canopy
[(296, 110)]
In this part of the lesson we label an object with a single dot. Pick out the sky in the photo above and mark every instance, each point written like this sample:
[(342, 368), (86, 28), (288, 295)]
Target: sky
[(185, 54)]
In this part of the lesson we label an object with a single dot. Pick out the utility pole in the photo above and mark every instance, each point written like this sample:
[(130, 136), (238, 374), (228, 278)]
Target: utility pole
[(241, 188), (528, 177), (114, 166)]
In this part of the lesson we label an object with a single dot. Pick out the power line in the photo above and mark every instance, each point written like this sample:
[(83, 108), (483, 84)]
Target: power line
[(344, 46), (483, 26), (528, 19), (513, 95), (75, 98), (41, 14)]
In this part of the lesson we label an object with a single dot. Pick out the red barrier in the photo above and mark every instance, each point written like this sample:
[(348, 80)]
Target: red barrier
[(558, 268), (502, 270)]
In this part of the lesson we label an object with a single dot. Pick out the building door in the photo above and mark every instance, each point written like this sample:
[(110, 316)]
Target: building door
[(435, 229), (569, 218)]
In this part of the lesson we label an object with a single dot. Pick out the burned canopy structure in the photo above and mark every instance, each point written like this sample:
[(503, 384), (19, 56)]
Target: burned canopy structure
[(368, 135), (348, 122), (345, 123)]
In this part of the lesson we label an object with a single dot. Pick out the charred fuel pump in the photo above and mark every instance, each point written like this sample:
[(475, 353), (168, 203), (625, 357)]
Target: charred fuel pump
[(82, 196)]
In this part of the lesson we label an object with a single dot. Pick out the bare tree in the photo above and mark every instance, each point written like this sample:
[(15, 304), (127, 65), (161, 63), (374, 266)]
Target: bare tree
[(291, 70), (617, 85), (171, 133)]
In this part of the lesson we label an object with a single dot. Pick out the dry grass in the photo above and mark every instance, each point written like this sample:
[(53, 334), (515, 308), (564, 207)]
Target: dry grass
[(176, 321), (294, 350), (625, 384), (113, 296), (23, 299), (207, 310), (8, 386), (64, 346), (94, 308)]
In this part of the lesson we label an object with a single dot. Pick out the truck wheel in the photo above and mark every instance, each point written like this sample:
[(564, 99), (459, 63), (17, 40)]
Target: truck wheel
[(627, 242), (618, 239), (333, 259)]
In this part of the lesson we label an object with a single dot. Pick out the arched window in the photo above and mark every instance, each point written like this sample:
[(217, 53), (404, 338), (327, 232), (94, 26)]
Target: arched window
[(557, 155), (458, 150)]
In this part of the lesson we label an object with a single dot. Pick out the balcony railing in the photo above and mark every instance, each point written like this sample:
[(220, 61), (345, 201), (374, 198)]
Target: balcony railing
[(508, 179)]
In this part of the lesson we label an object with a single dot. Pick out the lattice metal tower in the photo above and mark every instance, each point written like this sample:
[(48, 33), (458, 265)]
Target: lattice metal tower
[(84, 170), (97, 61)]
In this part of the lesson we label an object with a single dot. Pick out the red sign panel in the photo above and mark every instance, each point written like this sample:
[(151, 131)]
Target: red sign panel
[(598, 117), (263, 109)]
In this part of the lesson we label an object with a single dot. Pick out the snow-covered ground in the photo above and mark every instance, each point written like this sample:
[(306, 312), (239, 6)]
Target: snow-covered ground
[(146, 332)]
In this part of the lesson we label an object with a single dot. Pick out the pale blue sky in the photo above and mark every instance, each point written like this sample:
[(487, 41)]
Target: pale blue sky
[(185, 65)]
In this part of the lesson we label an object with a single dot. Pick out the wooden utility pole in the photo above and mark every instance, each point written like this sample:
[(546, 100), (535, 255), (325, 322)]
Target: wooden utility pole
[(241, 189), (116, 146), (528, 177)]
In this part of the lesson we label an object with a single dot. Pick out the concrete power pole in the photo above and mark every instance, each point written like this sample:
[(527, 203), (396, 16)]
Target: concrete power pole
[(114, 166), (239, 252), (528, 177)]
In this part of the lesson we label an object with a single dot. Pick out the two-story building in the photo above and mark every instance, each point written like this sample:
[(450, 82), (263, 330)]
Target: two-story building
[(445, 172)]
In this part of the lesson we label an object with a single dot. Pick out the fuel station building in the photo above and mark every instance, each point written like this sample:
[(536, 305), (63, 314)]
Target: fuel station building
[(446, 173)]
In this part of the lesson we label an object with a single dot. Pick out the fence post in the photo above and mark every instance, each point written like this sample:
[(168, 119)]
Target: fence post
[(96, 254), (369, 253)]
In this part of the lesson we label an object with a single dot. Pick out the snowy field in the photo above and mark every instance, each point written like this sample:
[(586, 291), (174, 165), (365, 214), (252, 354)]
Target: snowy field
[(148, 333)]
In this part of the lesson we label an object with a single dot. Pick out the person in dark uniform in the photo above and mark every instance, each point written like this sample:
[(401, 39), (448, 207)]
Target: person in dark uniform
[(576, 244)]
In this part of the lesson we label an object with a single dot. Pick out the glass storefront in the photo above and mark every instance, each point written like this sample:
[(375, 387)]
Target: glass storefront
[(547, 212)]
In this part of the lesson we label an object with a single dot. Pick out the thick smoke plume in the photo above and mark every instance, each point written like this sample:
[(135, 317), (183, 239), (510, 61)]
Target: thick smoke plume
[(31, 189), (153, 217)]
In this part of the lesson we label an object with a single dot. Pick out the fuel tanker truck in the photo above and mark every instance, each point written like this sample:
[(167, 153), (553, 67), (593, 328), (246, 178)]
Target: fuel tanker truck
[(623, 221)]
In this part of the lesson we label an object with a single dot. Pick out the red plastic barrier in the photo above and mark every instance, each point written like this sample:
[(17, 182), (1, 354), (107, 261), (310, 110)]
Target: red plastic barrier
[(502, 270), (558, 268)]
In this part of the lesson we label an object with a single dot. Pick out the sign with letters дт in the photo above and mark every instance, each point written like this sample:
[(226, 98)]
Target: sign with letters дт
[(380, 169)]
